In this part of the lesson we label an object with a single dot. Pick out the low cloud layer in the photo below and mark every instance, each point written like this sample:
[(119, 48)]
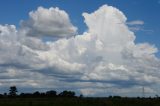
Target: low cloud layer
[(105, 60)]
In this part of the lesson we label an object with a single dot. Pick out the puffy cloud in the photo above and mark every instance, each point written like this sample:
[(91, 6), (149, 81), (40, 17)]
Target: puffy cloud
[(106, 56), (107, 52), (51, 22)]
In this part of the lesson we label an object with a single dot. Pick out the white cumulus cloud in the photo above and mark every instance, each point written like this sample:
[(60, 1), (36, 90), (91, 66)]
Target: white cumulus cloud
[(51, 22), (105, 56)]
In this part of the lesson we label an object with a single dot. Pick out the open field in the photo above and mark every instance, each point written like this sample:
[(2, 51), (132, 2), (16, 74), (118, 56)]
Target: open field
[(59, 101)]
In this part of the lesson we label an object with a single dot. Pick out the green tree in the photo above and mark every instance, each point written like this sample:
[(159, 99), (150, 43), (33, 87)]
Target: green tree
[(13, 91), (51, 93), (67, 94)]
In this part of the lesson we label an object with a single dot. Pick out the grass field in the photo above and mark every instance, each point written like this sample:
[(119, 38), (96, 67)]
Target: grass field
[(79, 102)]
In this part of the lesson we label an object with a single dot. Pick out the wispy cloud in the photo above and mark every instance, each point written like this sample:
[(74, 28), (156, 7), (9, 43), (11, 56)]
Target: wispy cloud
[(139, 28), (135, 28), (135, 22), (137, 25)]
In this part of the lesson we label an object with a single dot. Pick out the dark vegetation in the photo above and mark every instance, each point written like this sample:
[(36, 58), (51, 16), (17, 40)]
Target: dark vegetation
[(69, 98)]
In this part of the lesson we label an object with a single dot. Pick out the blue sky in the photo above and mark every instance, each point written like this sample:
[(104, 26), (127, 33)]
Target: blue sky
[(146, 10), (101, 57)]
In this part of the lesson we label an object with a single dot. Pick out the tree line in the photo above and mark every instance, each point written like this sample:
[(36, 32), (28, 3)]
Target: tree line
[(13, 92)]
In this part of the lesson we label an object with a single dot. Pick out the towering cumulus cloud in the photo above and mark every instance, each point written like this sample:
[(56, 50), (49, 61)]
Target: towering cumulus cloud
[(105, 60)]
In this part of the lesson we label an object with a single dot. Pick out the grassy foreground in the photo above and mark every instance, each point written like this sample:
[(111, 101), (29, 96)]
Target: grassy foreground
[(79, 101)]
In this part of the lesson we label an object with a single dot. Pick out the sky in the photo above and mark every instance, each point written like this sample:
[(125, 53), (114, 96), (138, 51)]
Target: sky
[(96, 48)]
